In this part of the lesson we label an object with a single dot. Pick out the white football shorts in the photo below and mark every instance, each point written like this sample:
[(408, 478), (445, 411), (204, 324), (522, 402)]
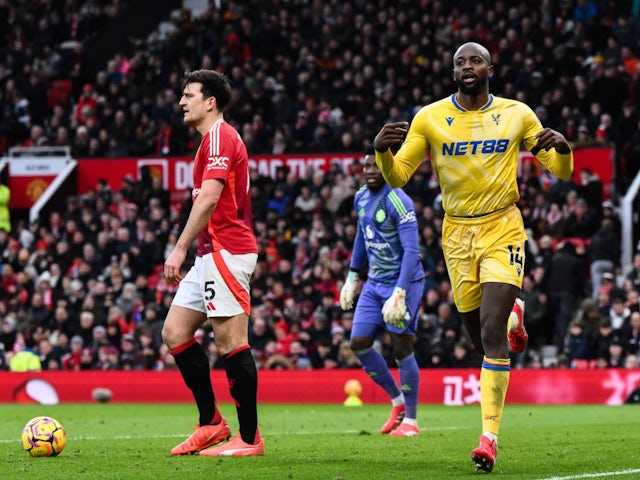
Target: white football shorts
[(218, 284)]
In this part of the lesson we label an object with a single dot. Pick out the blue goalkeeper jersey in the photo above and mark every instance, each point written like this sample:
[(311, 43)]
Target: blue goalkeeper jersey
[(387, 237)]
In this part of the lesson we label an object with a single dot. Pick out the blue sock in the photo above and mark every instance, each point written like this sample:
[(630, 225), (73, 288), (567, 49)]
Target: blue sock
[(410, 382), (373, 363)]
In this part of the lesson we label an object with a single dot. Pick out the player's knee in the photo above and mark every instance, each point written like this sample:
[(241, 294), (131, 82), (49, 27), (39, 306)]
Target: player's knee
[(228, 342), (360, 343), (167, 336), (173, 336), (225, 347)]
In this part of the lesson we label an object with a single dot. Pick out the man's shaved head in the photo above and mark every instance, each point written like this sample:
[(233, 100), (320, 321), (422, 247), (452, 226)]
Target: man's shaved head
[(473, 46)]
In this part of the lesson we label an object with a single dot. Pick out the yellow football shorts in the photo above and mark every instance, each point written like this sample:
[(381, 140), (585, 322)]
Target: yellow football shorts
[(483, 249)]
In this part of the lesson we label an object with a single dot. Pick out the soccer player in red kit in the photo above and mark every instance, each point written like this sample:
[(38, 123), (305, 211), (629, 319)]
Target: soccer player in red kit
[(216, 288)]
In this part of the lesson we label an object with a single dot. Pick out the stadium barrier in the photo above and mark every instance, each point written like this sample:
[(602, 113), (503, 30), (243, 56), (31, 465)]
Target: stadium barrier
[(438, 386), (30, 176)]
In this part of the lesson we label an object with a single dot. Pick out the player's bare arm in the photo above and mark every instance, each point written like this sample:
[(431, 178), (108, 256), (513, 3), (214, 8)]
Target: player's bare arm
[(548, 139), (390, 134), (202, 209)]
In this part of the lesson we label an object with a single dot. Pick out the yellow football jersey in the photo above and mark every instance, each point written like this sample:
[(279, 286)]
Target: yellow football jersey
[(474, 153)]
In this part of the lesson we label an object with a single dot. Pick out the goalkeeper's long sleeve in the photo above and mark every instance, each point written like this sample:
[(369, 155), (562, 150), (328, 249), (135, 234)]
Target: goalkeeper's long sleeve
[(410, 241), (358, 252)]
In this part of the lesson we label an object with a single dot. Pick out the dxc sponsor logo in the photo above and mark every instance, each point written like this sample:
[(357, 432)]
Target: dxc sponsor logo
[(216, 163)]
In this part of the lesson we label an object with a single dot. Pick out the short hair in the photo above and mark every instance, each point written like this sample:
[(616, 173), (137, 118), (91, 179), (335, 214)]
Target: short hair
[(369, 150), (214, 84)]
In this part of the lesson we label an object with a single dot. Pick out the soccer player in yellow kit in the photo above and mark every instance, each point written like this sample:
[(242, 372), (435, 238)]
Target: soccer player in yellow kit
[(474, 139)]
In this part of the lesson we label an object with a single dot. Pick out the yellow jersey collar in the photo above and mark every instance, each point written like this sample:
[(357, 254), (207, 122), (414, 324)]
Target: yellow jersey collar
[(462, 109)]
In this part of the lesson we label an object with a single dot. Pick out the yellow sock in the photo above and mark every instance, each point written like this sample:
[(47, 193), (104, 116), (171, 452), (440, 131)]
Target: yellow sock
[(494, 380)]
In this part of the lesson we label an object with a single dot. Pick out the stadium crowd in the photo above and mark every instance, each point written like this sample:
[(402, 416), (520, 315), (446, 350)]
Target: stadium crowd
[(82, 288)]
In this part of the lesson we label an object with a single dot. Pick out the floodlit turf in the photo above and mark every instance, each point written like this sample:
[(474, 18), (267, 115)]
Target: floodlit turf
[(309, 442)]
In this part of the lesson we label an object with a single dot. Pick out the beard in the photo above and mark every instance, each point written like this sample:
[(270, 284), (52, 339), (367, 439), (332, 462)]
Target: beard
[(475, 88)]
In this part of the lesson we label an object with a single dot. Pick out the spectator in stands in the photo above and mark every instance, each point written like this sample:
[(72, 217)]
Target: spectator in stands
[(619, 313), (345, 358), (536, 314), (634, 273), (554, 221), (87, 324), (564, 285), (165, 360), (447, 328), (118, 322), (8, 333), (603, 339), (131, 358), (608, 212), (631, 362), (616, 357), (630, 333), (305, 201), (323, 356), (151, 325), (260, 334), (298, 356), (578, 342), (604, 253), (608, 292), (106, 358), (48, 357), (26, 359), (73, 360), (5, 214), (159, 192), (581, 221), (98, 337), (632, 296), (463, 356)]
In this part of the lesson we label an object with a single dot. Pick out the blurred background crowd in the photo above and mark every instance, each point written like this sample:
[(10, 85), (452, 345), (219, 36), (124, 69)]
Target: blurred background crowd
[(81, 288)]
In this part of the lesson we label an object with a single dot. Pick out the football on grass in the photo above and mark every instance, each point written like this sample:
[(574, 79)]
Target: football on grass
[(43, 437)]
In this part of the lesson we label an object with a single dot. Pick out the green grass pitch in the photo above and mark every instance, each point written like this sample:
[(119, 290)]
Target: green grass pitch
[(332, 442)]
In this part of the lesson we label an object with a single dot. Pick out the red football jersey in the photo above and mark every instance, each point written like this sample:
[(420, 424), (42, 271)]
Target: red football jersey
[(223, 155)]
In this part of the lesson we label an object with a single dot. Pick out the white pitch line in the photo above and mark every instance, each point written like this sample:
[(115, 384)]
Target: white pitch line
[(596, 475), (180, 435)]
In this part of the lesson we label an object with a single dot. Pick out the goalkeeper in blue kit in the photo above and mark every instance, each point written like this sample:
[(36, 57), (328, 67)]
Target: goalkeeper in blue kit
[(387, 239)]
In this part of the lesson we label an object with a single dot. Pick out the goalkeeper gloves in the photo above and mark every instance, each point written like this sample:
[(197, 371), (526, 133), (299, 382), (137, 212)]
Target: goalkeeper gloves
[(348, 291), (395, 308)]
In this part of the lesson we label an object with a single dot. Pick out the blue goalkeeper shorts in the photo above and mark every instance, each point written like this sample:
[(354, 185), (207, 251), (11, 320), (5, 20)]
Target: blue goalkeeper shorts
[(367, 319)]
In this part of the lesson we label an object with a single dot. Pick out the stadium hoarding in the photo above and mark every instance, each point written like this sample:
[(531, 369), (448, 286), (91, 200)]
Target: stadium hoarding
[(438, 386), (176, 172)]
